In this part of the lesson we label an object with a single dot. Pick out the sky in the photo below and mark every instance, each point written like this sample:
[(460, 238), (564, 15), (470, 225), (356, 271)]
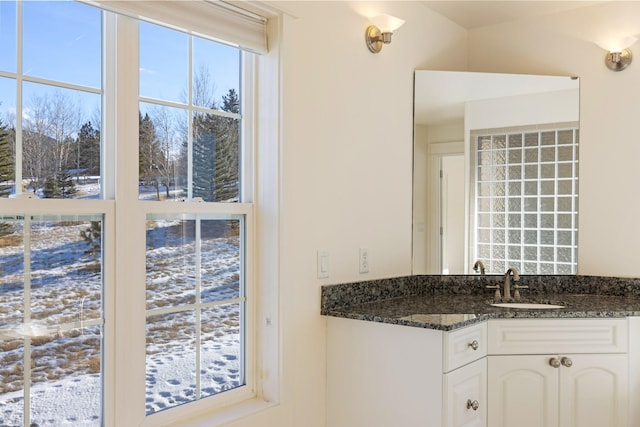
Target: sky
[(62, 42)]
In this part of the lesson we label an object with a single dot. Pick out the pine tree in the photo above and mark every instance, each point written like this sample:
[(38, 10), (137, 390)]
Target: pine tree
[(88, 156), (7, 170), (7, 160), (93, 237), (227, 166), (65, 184), (149, 152), (204, 157), (51, 189)]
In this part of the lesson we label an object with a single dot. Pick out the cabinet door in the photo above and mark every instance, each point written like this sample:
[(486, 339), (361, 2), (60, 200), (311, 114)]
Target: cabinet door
[(593, 390), (523, 391), (465, 396)]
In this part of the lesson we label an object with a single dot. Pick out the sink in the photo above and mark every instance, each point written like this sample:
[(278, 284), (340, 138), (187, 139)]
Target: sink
[(528, 305)]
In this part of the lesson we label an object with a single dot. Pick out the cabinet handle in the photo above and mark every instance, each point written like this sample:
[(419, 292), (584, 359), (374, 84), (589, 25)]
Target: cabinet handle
[(566, 362), (554, 362), (474, 345), (472, 405)]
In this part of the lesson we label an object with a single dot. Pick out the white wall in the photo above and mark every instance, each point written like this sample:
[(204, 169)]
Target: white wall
[(347, 144), (609, 206), (346, 169), (522, 110)]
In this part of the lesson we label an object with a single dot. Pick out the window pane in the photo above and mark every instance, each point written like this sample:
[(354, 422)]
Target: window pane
[(565, 154), (194, 153), (531, 155), (195, 301), (62, 41), (499, 142), (484, 143), (547, 188), (61, 142), (548, 154), (171, 360), (8, 36), (548, 170), (484, 236), (515, 156), (7, 136), (223, 349), (515, 140), (53, 304), (164, 72), (216, 162), (216, 73), (163, 153), (515, 253), (11, 379)]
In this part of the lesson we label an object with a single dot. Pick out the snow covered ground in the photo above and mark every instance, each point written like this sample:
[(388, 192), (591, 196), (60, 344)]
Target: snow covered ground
[(66, 289)]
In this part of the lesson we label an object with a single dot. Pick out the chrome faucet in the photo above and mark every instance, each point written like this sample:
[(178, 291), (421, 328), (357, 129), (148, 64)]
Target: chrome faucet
[(507, 282), (478, 267)]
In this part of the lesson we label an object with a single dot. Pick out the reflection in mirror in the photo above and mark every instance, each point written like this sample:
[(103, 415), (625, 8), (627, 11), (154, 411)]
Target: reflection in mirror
[(495, 173)]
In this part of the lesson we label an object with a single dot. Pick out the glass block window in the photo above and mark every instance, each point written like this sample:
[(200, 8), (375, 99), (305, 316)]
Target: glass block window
[(526, 199)]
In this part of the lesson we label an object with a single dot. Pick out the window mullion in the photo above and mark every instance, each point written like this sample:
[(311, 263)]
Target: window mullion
[(129, 235)]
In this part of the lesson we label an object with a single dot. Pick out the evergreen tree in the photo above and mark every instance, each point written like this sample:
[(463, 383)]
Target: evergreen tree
[(66, 185), (51, 189), (149, 153), (88, 155), (227, 165), (204, 152), (7, 161), (7, 170), (93, 237)]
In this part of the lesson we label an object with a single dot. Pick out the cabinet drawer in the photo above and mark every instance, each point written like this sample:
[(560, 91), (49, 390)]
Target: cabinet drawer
[(464, 345), (465, 396), (542, 336)]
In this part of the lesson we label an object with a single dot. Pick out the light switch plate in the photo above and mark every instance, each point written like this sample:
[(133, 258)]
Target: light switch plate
[(323, 264)]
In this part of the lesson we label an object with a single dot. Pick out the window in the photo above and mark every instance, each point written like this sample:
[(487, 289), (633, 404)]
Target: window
[(526, 196), (165, 196)]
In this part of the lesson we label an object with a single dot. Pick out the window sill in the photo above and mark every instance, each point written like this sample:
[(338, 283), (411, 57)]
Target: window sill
[(226, 415)]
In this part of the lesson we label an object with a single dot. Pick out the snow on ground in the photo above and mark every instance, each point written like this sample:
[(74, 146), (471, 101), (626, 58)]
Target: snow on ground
[(66, 288)]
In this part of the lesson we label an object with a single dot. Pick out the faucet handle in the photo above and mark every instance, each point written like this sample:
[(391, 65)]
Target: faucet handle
[(497, 293), (516, 293)]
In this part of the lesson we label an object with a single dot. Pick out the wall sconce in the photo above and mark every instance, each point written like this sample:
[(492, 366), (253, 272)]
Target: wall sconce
[(380, 31), (618, 55)]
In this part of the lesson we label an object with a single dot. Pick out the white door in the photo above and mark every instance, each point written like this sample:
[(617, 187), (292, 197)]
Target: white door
[(453, 214), (522, 391), (593, 390)]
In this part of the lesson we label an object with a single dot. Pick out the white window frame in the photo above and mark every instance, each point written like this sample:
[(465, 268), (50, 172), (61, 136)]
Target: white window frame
[(124, 350), (131, 215)]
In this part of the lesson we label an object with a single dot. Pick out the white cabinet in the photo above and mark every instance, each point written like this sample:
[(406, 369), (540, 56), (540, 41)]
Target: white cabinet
[(500, 373), (594, 391), (523, 391), (558, 373), (465, 395), (382, 375)]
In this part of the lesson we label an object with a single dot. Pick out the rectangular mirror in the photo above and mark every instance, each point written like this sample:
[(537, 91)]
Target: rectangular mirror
[(495, 173)]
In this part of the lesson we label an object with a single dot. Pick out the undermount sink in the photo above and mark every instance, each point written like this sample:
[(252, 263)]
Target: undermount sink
[(527, 305)]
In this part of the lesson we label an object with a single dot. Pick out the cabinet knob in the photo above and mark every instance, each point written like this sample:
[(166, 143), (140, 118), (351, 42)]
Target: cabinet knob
[(554, 362), (566, 362), (473, 404), (474, 345)]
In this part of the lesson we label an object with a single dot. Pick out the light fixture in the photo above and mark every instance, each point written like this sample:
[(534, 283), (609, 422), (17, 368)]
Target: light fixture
[(618, 55), (380, 31)]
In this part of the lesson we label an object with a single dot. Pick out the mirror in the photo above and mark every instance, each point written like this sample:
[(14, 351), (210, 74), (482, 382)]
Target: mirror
[(495, 173)]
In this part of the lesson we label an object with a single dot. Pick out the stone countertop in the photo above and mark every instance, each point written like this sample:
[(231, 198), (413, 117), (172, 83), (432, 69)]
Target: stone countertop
[(435, 307)]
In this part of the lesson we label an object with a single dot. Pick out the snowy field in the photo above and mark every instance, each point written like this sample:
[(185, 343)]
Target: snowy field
[(66, 290)]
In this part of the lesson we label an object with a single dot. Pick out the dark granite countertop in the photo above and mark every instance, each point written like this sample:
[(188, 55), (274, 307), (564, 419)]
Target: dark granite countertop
[(451, 303)]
